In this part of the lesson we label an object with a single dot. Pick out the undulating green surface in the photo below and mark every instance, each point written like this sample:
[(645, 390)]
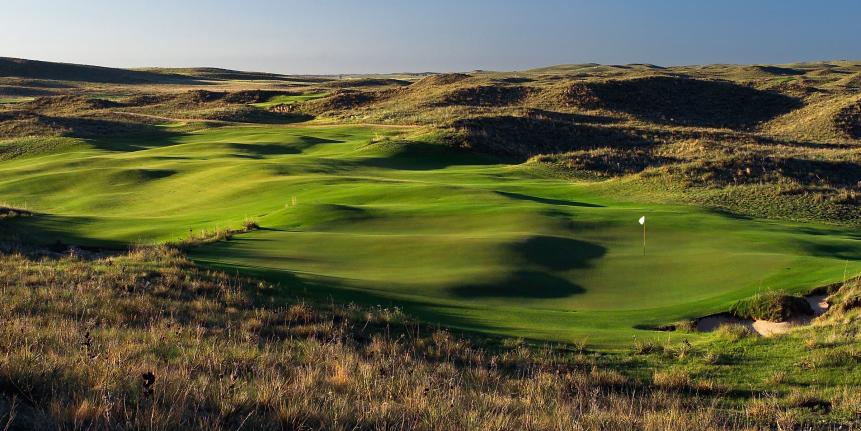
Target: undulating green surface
[(360, 214)]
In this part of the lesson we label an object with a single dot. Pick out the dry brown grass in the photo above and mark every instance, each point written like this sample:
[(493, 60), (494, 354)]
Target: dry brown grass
[(146, 340)]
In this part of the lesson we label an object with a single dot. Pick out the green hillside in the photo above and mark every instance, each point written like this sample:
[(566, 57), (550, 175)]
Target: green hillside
[(389, 215), (496, 202)]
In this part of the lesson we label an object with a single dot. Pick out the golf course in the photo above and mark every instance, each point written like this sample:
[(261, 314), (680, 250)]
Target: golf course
[(377, 216), (387, 215)]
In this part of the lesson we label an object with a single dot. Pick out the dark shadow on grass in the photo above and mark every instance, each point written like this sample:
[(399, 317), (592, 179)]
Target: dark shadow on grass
[(806, 172), (263, 150), (260, 116), (815, 231), (307, 142), (156, 174), (172, 158), (557, 253), (516, 80), (568, 117), (848, 252), (692, 102), (131, 143), (134, 141), (113, 135), (422, 156), (534, 277), (333, 290), (328, 290), (519, 138), (19, 91), (782, 71), (836, 232), (51, 231), (35, 69), (139, 176), (729, 214), (259, 150), (313, 140), (110, 134), (549, 201), (521, 284)]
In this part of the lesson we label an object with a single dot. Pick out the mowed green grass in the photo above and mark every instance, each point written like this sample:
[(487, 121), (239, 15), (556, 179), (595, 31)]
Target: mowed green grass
[(454, 238)]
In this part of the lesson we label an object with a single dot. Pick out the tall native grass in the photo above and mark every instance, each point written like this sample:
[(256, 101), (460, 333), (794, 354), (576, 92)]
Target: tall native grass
[(146, 340)]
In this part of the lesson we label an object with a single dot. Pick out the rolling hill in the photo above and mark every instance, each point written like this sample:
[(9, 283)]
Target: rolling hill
[(495, 202), (34, 69), (201, 245)]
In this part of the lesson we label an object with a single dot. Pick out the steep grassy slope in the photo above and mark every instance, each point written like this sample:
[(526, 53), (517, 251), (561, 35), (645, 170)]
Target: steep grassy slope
[(384, 215)]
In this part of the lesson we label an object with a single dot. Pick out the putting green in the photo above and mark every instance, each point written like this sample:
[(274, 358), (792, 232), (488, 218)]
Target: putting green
[(452, 237)]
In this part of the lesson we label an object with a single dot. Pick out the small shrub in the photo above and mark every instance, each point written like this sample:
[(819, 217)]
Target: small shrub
[(672, 379), (606, 377), (299, 312), (848, 297), (776, 379), (732, 332), (763, 410), (580, 346), (645, 347), (7, 212), (678, 350), (847, 403), (249, 224), (807, 400), (772, 306), (836, 357), (340, 376), (686, 325), (442, 337)]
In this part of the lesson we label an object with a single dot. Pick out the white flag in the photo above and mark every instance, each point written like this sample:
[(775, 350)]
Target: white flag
[(643, 220)]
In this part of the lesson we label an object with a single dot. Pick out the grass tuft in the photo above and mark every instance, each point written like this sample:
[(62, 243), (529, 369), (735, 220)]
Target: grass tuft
[(773, 306), (732, 332)]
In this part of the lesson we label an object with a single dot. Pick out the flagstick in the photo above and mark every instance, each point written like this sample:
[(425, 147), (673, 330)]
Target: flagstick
[(644, 238)]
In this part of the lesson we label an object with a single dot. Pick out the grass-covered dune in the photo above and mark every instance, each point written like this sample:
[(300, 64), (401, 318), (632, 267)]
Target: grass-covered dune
[(389, 215), (22, 68)]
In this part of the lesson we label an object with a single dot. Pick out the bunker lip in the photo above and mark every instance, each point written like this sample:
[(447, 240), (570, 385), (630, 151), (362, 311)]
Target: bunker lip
[(765, 328), (14, 212)]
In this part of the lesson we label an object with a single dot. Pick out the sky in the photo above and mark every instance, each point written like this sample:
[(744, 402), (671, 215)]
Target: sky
[(371, 36)]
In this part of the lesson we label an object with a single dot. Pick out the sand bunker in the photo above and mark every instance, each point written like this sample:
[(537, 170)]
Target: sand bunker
[(766, 328)]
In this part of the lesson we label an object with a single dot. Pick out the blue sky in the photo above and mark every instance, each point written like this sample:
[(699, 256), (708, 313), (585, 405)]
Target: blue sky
[(331, 36)]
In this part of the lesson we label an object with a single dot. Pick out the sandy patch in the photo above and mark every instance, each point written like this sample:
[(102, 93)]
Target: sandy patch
[(766, 328), (818, 304)]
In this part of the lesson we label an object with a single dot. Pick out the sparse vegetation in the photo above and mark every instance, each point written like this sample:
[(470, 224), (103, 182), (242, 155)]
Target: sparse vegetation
[(771, 305), (146, 339), (143, 339)]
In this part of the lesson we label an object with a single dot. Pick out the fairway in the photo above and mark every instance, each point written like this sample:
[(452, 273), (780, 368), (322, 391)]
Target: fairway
[(363, 214)]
